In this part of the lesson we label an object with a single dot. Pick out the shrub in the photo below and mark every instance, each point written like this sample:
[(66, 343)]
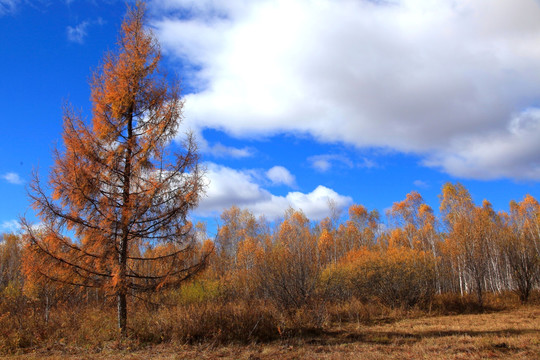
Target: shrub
[(397, 277)]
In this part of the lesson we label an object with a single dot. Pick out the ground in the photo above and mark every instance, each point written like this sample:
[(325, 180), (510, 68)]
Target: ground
[(509, 334)]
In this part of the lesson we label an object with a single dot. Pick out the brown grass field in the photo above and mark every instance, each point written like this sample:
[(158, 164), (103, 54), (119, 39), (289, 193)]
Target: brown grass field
[(508, 334)]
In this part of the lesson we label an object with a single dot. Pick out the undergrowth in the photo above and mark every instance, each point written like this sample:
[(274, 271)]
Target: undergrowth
[(93, 328)]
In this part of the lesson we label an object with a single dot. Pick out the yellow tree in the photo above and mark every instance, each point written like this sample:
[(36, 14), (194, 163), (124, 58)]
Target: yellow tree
[(10, 260), (237, 226), (417, 222), (249, 255), (360, 230), (521, 246), (115, 191), (290, 267), (327, 247), (470, 238), (456, 208)]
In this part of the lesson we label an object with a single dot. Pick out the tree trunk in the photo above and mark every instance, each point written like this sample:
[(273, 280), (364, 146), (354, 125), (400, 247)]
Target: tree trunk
[(479, 291), (122, 313), (126, 212), (47, 307)]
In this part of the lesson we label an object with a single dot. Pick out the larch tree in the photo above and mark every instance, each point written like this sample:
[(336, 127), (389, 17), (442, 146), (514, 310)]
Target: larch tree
[(114, 214)]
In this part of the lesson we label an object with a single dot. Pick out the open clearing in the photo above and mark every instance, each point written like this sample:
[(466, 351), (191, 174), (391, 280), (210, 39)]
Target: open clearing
[(510, 334)]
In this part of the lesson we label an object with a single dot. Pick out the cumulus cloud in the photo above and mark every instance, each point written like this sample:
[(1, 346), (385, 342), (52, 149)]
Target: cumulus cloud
[(12, 178), (513, 152), (438, 79), (279, 175), (229, 187)]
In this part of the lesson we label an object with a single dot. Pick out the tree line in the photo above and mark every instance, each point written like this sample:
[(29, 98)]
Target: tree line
[(296, 263), (468, 249)]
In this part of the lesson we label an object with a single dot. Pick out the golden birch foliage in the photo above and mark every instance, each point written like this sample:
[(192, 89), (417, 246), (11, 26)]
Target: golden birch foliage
[(288, 273), (521, 245), (395, 275), (471, 236), (456, 203), (246, 276), (237, 227), (398, 237), (417, 222), (11, 254), (366, 224), (526, 220), (326, 245), (358, 231)]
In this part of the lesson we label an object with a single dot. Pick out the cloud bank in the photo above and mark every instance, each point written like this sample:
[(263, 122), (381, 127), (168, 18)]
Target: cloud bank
[(229, 187), (445, 80)]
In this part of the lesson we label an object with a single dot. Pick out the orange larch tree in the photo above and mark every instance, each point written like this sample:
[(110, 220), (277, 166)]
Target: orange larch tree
[(115, 193)]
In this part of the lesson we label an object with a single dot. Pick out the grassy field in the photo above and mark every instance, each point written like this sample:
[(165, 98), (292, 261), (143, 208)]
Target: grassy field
[(509, 334)]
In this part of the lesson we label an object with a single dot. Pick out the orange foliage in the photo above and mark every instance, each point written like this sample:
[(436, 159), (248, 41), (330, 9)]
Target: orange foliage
[(114, 188)]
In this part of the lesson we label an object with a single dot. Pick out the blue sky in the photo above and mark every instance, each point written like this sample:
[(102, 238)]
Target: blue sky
[(295, 102)]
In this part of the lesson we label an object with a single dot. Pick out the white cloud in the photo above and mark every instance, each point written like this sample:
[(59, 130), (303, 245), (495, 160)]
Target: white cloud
[(77, 33), (323, 163), (510, 153), (229, 187), (217, 150), (280, 176), (12, 178), (413, 76), (8, 6), (11, 226), (222, 151), (420, 184)]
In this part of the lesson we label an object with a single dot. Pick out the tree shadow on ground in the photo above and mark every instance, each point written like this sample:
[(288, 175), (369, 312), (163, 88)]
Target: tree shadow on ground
[(382, 337)]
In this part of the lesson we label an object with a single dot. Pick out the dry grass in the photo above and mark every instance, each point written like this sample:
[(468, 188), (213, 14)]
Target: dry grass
[(509, 334)]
